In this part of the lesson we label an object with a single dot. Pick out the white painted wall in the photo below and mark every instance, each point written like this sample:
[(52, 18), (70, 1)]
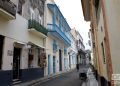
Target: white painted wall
[(49, 51), (17, 31), (48, 14), (7, 61)]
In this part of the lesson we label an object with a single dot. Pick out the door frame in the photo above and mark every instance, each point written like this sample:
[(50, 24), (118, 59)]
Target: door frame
[(17, 61), (60, 60), (54, 64), (1, 50), (49, 64)]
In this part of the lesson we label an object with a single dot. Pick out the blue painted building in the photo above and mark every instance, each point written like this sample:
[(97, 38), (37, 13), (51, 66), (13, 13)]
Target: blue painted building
[(58, 40), (59, 26)]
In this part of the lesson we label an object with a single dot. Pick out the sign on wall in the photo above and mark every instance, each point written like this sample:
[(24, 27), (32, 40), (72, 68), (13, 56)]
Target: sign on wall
[(10, 53)]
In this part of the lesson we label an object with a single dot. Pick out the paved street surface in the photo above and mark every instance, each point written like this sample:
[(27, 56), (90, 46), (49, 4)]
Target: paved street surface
[(71, 79)]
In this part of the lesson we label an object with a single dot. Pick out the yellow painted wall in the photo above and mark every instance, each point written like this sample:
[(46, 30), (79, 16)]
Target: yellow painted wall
[(113, 16), (101, 35)]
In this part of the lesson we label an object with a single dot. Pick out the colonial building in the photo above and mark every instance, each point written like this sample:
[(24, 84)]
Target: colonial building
[(104, 17), (81, 59), (22, 40), (58, 40), (72, 51)]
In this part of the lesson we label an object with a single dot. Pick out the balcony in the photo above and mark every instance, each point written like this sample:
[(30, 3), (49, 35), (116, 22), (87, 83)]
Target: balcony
[(56, 31), (37, 28), (7, 9)]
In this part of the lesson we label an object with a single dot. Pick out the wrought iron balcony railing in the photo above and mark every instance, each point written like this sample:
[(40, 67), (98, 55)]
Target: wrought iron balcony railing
[(37, 26), (8, 7)]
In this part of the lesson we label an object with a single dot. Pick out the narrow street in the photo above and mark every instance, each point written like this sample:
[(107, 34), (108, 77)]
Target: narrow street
[(71, 79)]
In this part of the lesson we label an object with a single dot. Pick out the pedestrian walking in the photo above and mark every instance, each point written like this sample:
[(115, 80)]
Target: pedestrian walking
[(77, 67)]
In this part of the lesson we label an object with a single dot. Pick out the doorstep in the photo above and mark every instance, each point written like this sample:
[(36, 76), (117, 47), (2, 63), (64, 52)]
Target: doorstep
[(44, 79)]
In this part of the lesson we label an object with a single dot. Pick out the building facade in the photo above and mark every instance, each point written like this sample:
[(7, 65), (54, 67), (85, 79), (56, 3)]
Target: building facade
[(35, 41), (22, 41), (58, 41), (81, 58), (72, 51), (104, 17)]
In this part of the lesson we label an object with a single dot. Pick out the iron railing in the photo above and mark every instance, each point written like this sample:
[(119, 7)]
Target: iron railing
[(37, 26), (8, 6)]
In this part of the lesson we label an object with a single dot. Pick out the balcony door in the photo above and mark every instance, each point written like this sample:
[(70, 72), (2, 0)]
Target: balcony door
[(60, 60)]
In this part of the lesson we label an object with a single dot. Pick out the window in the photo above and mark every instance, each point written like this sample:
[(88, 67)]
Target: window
[(30, 58), (54, 46), (89, 34), (65, 51), (32, 14), (40, 19), (41, 58), (89, 42), (101, 29), (103, 52), (19, 8)]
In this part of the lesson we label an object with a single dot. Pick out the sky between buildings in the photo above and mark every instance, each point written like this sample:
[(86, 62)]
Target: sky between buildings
[(72, 11)]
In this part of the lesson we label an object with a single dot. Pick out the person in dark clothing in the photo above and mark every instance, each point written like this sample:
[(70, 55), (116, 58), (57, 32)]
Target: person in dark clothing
[(77, 67)]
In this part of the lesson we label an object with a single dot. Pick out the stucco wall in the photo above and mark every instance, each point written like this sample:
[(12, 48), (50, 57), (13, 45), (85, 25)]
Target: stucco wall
[(48, 14), (7, 61), (113, 16), (101, 35), (16, 29), (49, 51)]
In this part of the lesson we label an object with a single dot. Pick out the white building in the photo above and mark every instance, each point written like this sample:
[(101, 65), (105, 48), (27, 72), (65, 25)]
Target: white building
[(73, 53), (81, 59), (22, 41)]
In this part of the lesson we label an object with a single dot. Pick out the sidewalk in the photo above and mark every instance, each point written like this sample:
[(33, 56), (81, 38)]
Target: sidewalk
[(44, 79)]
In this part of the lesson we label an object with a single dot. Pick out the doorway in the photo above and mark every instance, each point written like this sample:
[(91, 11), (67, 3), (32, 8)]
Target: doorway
[(1, 49), (69, 61), (60, 60), (54, 65), (16, 63), (49, 64)]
